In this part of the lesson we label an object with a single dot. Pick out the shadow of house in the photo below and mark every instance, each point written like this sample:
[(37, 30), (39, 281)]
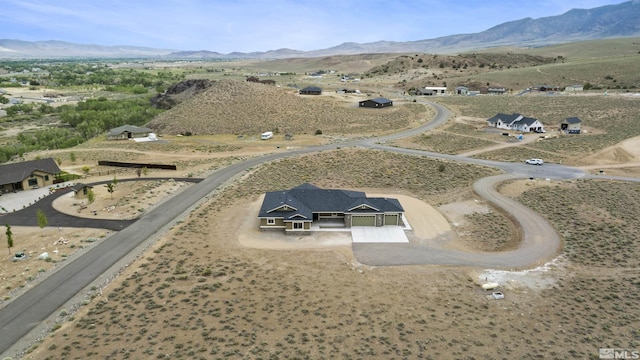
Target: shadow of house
[(311, 90), (28, 175), (571, 125), (376, 103), (294, 211), (128, 132)]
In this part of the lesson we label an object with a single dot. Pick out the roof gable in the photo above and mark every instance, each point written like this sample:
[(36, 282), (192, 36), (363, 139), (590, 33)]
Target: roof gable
[(307, 199), (16, 172), (129, 128)]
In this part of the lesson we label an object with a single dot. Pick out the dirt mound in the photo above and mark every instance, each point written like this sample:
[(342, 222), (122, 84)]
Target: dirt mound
[(615, 155)]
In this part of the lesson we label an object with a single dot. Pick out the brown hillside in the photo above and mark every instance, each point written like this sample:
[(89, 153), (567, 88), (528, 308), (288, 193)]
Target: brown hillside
[(239, 107)]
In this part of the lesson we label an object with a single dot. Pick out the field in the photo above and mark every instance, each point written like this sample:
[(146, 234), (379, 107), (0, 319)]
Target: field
[(200, 293)]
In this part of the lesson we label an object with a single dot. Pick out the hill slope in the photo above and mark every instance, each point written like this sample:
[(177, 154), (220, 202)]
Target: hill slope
[(239, 107)]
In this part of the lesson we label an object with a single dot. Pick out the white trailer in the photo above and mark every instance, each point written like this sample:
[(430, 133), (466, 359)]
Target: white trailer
[(266, 135)]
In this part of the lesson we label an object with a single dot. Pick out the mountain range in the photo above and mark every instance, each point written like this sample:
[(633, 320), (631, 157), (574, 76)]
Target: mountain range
[(611, 21)]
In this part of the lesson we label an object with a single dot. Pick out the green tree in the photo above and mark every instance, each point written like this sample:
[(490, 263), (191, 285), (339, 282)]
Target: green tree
[(86, 169), (72, 157), (145, 171), (91, 196), (110, 188), (42, 219), (9, 237)]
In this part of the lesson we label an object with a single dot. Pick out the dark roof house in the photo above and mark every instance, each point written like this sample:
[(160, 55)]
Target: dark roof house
[(27, 174), (311, 90), (296, 209), (128, 132), (571, 125), (376, 103)]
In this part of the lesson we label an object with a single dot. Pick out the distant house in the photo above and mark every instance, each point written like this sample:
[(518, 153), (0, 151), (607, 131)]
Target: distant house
[(462, 90), (546, 87), (432, 90), (496, 90), (571, 125), (300, 209), (574, 88), (346, 91), (128, 132), (28, 175), (256, 79), (311, 90), (516, 122), (376, 103), (80, 191)]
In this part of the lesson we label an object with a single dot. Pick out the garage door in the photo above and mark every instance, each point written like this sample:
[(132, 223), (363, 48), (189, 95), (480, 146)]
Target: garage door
[(363, 220), (391, 219)]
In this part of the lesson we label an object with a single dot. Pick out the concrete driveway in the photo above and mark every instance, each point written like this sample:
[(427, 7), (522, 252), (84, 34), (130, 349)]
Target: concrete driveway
[(378, 234)]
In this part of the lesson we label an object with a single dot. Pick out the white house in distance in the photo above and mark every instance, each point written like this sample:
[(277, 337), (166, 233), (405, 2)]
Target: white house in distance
[(516, 122), (432, 90)]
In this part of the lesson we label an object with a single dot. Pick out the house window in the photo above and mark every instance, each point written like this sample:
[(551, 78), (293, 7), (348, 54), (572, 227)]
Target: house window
[(298, 226), (46, 178), (271, 221), (33, 182)]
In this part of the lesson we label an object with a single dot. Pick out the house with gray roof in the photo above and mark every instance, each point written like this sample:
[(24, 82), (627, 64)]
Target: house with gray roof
[(28, 175), (125, 132), (294, 211), (311, 90), (516, 122), (376, 103), (571, 125)]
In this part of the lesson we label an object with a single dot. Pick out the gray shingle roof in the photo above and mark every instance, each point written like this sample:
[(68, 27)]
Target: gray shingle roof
[(507, 119), (129, 128), (381, 100), (306, 199), (572, 120), (16, 172)]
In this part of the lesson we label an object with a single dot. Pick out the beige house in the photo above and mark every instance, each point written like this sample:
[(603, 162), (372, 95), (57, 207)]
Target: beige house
[(28, 175), (80, 191)]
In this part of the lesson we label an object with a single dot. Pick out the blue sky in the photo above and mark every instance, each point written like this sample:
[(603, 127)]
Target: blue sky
[(260, 25)]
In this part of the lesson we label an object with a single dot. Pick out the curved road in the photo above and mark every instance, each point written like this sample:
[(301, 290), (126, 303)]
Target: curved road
[(23, 314)]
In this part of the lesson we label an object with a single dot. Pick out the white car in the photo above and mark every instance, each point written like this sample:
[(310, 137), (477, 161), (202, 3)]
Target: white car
[(534, 161)]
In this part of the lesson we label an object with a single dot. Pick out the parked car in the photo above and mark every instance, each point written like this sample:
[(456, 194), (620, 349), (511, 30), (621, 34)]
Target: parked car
[(534, 161)]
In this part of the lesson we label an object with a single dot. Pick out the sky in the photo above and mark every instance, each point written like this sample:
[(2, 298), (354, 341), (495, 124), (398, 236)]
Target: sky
[(226, 26)]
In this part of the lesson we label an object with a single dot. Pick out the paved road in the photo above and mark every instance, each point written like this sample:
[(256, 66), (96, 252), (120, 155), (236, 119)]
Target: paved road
[(22, 316)]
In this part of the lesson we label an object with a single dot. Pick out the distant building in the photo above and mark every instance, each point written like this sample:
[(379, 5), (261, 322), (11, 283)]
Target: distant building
[(496, 90), (311, 90), (80, 191), (574, 88), (128, 132), (376, 103), (432, 90), (28, 175), (462, 90), (516, 122), (571, 125)]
